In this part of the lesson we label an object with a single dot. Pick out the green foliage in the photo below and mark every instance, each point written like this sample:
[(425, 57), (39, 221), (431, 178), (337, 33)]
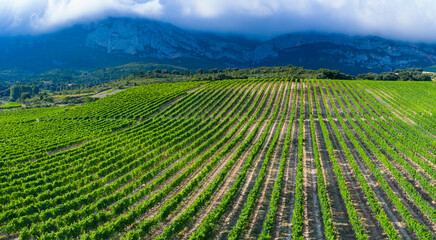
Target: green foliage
[(155, 160), (23, 92), (10, 105), (332, 74), (408, 74)]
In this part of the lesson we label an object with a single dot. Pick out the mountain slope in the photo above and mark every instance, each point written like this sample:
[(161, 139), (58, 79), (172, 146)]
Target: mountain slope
[(118, 41)]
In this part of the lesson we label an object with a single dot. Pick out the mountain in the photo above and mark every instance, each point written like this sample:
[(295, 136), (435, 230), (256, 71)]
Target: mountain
[(348, 54), (117, 41)]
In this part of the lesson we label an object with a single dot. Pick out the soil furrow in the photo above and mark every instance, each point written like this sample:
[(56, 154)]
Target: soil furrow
[(407, 201), (340, 216), (156, 231), (288, 178), (154, 211), (256, 221), (358, 196), (389, 208), (231, 217), (228, 182), (313, 223), (398, 189), (188, 200)]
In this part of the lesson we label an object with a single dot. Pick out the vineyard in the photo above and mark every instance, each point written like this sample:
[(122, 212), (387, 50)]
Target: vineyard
[(232, 159)]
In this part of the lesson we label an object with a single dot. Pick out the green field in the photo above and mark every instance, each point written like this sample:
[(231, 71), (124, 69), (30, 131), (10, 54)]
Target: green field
[(231, 159), (10, 105)]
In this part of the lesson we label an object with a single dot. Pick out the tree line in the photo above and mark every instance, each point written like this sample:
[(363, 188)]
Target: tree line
[(408, 74)]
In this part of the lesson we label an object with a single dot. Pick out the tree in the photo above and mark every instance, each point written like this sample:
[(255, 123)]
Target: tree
[(405, 76), (89, 99), (367, 76), (331, 74), (388, 76), (25, 96), (18, 90), (215, 70), (222, 76), (35, 90), (423, 77)]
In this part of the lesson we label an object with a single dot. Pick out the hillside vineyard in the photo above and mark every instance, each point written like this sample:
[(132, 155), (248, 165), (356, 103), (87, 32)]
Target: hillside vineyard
[(235, 159)]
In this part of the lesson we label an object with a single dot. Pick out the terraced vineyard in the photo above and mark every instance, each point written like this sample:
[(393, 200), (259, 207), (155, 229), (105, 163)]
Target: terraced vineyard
[(236, 159)]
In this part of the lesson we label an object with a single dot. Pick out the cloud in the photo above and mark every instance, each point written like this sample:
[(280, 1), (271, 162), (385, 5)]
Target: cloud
[(40, 16), (396, 19)]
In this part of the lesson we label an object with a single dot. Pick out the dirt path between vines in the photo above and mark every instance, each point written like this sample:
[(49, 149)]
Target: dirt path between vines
[(407, 201), (366, 110), (394, 110), (313, 224), (281, 221), (361, 93), (425, 196), (227, 184), (231, 217), (389, 208), (358, 196), (154, 210), (340, 216), (191, 198), (255, 224)]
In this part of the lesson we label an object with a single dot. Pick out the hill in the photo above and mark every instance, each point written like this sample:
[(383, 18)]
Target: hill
[(431, 69), (264, 158), (119, 41)]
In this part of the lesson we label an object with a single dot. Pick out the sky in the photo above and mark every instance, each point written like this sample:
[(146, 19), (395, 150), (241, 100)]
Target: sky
[(407, 20)]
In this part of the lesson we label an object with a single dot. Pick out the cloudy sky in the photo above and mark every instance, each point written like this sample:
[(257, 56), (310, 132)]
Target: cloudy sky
[(409, 20)]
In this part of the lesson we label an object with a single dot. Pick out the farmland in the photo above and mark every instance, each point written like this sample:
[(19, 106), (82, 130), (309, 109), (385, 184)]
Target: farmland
[(231, 159)]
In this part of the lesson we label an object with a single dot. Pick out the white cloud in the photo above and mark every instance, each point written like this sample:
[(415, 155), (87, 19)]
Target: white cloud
[(401, 19), (35, 16)]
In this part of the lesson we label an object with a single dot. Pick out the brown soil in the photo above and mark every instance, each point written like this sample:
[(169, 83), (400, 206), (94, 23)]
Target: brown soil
[(313, 223), (393, 108), (397, 189), (414, 210), (340, 217), (189, 199), (155, 209), (358, 196), (282, 221), (231, 217), (258, 217), (370, 109), (169, 180), (424, 194), (389, 208), (227, 184)]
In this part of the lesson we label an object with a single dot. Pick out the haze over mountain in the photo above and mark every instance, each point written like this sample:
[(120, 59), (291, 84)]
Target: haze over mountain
[(115, 41), (350, 36), (411, 21)]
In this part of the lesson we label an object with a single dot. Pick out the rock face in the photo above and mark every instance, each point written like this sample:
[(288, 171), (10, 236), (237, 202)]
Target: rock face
[(359, 53), (122, 40), (160, 40), (144, 38)]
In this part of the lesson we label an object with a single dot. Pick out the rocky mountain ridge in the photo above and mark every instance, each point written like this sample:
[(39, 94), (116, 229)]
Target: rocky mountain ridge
[(122, 40)]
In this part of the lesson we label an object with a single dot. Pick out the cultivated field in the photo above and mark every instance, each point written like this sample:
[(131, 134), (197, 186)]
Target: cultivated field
[(235, 159)]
